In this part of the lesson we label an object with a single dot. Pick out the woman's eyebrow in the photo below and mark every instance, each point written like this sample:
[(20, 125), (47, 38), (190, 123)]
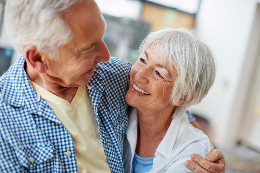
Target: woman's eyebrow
[(158, 65), (161, 66), (146, 54)]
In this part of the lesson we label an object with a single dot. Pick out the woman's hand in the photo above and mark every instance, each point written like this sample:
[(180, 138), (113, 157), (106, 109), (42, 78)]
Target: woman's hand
[(214, 162)]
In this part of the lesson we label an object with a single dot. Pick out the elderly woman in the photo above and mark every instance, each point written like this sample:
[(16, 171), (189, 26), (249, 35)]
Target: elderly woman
[(175, 70)]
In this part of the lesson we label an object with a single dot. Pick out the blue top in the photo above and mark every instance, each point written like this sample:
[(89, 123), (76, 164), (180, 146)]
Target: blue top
[(141, 165), (32, 138), (190, 116)]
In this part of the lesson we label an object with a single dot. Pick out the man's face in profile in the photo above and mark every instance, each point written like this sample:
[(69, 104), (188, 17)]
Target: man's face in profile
[(78, 59)]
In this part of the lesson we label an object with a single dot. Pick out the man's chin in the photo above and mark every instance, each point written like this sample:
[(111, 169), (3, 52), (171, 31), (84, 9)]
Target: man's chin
[(82, 82)]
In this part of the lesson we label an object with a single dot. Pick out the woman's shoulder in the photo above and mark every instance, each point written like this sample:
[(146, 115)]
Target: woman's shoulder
[(191, 141), (195, 140)]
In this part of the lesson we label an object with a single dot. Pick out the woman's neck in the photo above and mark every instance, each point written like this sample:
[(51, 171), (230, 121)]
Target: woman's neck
[(152, 128)]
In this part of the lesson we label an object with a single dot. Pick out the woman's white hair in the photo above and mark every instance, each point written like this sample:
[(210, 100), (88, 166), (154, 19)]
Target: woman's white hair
[(192, 58), (38, 23)]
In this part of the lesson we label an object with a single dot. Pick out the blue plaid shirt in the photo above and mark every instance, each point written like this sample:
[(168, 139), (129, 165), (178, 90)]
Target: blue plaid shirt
[(32, 138)]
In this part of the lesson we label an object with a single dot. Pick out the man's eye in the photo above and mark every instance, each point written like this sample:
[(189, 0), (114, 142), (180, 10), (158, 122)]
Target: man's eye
[(158, 74), (142, 60)]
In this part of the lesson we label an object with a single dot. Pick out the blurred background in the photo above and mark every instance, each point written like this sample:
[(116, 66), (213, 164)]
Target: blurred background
[(230, 114)]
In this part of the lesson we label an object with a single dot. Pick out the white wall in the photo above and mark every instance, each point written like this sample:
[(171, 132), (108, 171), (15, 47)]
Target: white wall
[(225, 25), (4, 39), (6, 42)]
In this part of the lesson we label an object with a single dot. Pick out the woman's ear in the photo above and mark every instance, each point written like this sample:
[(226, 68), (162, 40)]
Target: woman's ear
[(184, 100), (34, 59)]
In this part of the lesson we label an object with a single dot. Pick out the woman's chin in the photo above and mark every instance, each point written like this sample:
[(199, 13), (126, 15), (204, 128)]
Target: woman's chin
[(130, 100)]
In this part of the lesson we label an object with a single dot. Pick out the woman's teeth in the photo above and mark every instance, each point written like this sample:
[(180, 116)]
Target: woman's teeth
[(140, 90)]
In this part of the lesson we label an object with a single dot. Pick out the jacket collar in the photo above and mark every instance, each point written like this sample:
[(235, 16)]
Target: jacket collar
[(131, 131), (166, 146)]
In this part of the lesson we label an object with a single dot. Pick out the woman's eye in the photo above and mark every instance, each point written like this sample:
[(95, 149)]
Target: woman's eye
[(142, 60), (158, 74)]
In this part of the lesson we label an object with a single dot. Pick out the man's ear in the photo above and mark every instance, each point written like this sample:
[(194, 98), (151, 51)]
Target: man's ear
[(184, 100), (34, 59)]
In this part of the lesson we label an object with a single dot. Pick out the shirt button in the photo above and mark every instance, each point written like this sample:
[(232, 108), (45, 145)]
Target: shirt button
[(31, 159), (123, 124), (68, 153)]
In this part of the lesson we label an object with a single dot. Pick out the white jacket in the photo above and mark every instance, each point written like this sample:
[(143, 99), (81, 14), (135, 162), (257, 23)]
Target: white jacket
[(179, 143)]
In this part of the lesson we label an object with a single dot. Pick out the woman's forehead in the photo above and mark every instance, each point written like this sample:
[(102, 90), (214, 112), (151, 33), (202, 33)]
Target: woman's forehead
[(157, 53), (154, 53)]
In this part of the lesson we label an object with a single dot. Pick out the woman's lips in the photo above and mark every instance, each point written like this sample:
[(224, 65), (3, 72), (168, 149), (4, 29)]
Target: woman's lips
[(139, 90)]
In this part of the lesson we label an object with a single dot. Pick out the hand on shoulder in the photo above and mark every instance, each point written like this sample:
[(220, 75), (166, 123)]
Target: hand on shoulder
[(214, 162)]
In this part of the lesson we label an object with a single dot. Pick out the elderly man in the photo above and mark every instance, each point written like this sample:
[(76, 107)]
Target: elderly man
[(62, 108)]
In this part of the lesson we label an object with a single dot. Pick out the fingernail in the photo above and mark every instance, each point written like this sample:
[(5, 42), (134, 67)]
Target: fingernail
[(193, 157), (209, 157), (188, 164)]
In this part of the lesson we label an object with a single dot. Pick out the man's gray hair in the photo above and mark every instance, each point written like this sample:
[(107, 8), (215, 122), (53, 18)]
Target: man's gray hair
[(38, 23), (192, 58)]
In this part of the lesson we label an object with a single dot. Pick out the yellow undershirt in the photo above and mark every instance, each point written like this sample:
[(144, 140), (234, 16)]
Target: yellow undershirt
[(79, 119)]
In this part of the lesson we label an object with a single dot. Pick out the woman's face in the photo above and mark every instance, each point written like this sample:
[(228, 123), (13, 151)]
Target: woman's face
[(151, 82)]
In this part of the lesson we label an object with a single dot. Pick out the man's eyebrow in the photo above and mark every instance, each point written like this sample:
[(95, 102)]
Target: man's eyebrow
[(88, 48)]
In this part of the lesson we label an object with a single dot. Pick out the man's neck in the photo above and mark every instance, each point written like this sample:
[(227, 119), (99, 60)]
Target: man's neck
[(66, 93)]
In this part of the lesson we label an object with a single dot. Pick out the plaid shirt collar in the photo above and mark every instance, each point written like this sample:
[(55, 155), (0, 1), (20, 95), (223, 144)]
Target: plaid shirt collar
[(25, 95), (13, 83), (28, 97)]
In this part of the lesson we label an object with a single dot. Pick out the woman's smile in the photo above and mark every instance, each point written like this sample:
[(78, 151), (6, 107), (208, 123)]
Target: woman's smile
[(140, 90)]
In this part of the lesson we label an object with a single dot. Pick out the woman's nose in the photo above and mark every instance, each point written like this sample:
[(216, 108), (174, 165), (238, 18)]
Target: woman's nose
[(142, 75)]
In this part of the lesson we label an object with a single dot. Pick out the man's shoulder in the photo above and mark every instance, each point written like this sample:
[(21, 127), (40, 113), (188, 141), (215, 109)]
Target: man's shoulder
[(12, 83), (114, 65), (115, 72), (13, 69)]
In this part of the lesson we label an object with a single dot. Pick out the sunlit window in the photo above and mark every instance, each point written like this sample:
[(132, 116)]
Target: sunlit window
[(130, 21), (120, 8), (189, 6)]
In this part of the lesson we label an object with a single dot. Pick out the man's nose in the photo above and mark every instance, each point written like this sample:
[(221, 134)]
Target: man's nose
[(103, 53)]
